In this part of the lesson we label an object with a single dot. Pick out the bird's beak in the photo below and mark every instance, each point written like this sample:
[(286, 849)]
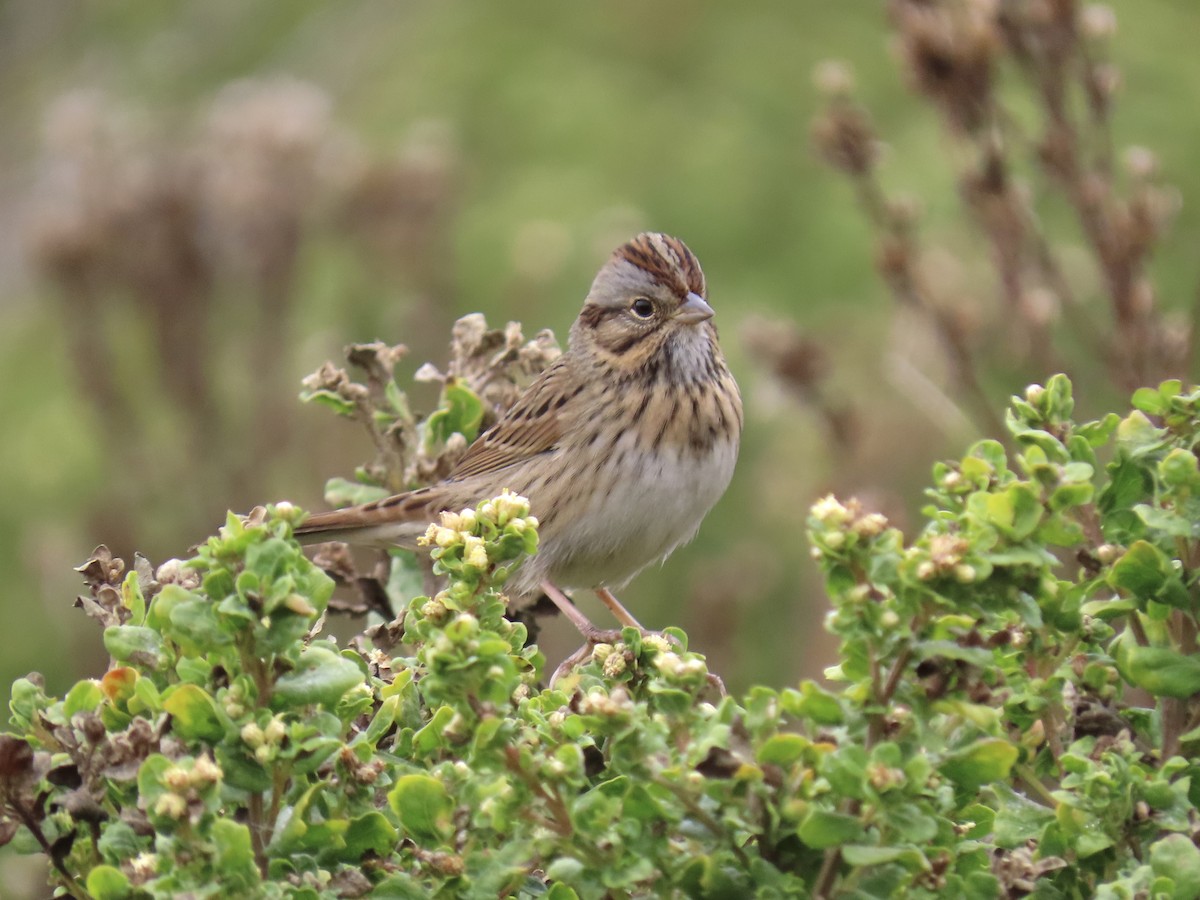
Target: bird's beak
[(694, 310)]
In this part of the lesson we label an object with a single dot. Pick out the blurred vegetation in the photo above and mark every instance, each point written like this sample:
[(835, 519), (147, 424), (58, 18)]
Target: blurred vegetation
[(207, 200)]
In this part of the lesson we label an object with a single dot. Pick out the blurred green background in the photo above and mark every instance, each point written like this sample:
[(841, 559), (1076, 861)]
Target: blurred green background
[(377, 169)]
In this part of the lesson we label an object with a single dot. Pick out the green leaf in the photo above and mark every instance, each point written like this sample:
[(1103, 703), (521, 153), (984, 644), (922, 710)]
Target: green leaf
[(336, 402), (1179, 469), (432, 735), (1168, 522), (234, 857), (983, 762), (341, 492), (1161, 671), (321, 676), (423, 806), (119, 842), (461, 411), (107, 883), (132, 599), (1176, 857), (85, 696), (1137, 435), (381, 722), (135, 644), (369, 832), (1015, 512), (1141, 571), (862, 855), (1018, 819), (1149, 400), (195, 716), (812, 702), (782, 749), (822, 828), (193, 625)]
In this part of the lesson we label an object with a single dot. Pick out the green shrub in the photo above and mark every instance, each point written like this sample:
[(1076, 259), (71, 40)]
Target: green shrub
[(979, 738)]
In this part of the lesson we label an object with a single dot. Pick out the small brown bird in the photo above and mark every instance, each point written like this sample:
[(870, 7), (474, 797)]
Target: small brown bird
[(622, 445)]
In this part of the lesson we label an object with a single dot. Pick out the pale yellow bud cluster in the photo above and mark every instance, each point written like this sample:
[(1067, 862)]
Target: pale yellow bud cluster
[(946, 553), (474, 552), (510, 506), (143, 866), (454, 529), (884, 778), (657, 643), (830, 511), (264, 741), (182, 783), (598, 702), (842, 524), (677, 668), (232, 700)]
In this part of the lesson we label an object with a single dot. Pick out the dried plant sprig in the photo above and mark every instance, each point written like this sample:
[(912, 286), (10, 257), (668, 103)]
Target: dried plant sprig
[(801, 366), (845, 136), (953, 54)]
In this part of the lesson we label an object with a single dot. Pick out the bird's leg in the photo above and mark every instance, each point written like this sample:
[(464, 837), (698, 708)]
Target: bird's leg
[(565, 667), (621, 614), (582, 623)]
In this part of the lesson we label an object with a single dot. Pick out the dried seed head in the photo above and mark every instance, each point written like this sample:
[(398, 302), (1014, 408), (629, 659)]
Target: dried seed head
[(949, 52), (845, 138)]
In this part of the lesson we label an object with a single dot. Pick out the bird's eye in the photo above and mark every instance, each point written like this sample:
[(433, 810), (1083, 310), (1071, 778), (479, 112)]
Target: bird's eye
[(642, 308)]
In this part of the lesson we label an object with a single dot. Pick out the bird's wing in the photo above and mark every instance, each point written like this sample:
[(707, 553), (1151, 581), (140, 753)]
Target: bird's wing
[(533, 425)]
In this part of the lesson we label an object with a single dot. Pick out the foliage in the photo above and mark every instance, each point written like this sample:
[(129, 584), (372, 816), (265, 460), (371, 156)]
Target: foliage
[(983, 740)]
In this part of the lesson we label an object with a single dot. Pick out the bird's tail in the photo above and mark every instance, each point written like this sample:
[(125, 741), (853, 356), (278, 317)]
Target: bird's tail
[(395, 521)]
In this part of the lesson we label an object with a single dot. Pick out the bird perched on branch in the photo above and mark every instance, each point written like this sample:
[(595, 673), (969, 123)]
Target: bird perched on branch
[(622, 445)]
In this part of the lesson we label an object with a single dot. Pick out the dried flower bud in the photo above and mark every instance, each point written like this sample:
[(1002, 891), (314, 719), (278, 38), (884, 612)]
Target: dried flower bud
[(845, 138)]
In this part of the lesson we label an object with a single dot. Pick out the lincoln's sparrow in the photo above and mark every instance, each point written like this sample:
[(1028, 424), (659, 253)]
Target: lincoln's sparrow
[(622, 445)]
